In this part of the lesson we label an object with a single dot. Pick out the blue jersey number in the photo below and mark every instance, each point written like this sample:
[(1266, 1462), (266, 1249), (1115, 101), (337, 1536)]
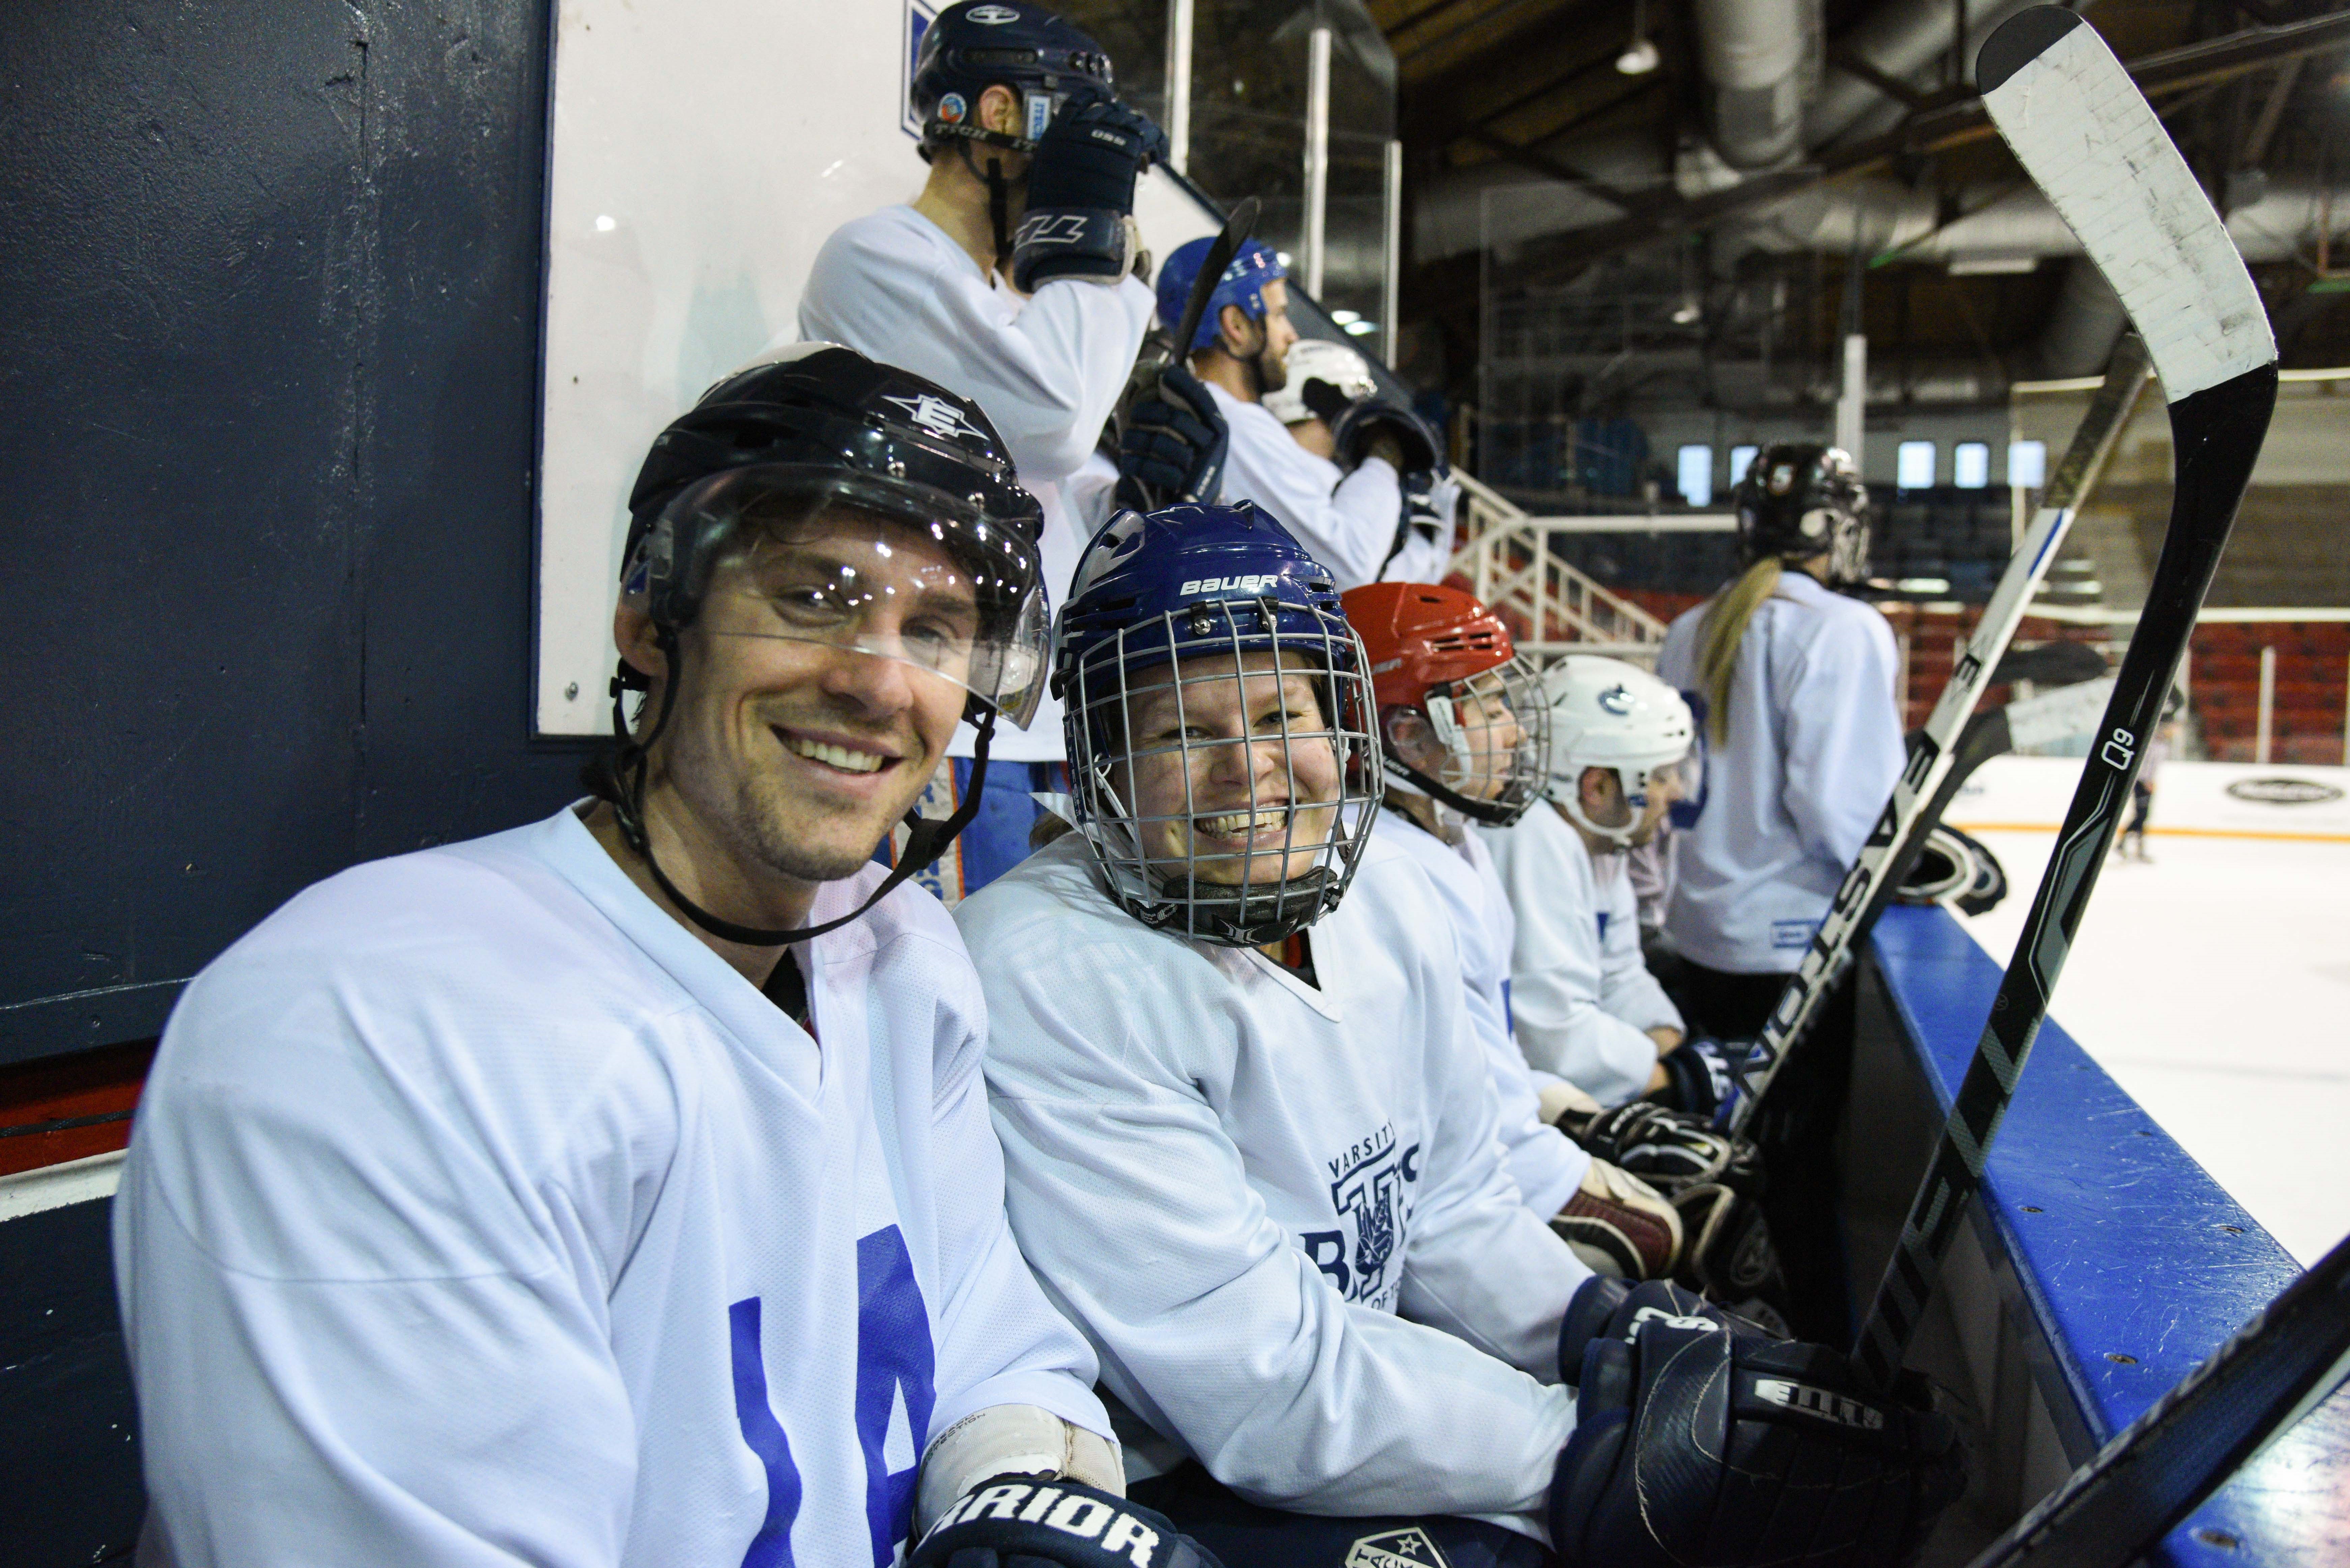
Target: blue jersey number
[(895, 1370)]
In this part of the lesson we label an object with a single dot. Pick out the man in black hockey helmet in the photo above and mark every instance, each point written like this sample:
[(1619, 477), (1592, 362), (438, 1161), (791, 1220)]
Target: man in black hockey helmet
[(1011, 279), (495, 1188), (1798, 501)]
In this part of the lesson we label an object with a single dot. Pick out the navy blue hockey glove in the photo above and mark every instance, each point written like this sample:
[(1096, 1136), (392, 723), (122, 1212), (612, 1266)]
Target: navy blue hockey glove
[(1173, 446), (1701, 1442), (1081, 191), (1700, 1078), (1363, 424), (1027, 1521)]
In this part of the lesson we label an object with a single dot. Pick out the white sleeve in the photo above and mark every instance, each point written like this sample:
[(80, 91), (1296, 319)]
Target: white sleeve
[(999, 1341), (1627, 988), (1422, 559), (361, 1349), (1348, 527), (1843, 736), (1134, 1205), (1046, 372), (1556, 972), (1479, 1264)]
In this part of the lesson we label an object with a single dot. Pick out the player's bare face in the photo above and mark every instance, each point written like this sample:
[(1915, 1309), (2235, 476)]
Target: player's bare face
[(1232, 769), (823, 682), (1280, 337), (1491, 727)]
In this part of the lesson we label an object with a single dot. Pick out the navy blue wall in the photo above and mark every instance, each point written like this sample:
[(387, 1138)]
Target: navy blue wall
[(269, 276)]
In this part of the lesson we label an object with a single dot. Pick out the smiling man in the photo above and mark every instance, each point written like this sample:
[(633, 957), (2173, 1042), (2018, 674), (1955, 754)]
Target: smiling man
[(620, 1189)]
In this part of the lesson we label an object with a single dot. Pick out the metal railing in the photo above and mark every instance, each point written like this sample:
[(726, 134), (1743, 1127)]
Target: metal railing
[(1553, 609)]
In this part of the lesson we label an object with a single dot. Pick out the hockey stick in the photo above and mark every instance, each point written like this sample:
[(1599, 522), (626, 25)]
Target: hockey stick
[(1237, 227), (2157, 1470), (2079, 127), (1915, 804)]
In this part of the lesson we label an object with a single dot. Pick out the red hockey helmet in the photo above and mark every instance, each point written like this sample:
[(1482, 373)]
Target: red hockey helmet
[(1451, 685)]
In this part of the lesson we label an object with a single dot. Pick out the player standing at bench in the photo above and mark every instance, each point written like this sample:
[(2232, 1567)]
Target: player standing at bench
[(1009, 279), (498, 1203), (1805, 742)]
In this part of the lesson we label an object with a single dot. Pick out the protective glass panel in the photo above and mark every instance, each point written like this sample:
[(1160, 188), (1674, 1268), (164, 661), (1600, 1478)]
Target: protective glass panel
[(1226, 777)]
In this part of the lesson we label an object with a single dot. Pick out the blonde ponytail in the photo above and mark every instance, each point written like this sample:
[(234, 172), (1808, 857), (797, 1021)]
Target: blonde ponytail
[(1724, 629)]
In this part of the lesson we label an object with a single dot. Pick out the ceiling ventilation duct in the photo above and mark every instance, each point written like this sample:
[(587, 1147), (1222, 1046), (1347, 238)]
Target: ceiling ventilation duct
[(1761, 60)]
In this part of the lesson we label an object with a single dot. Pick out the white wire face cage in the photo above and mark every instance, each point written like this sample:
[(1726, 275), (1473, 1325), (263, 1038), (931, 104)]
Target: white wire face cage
[(1226, 768), (1470, 719)]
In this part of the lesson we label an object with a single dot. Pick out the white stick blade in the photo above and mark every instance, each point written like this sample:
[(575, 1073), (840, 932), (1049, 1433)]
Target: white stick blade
[(2088, 139)]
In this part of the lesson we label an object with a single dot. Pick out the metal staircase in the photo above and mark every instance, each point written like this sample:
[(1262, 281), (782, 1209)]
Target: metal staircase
[(1552, 609)]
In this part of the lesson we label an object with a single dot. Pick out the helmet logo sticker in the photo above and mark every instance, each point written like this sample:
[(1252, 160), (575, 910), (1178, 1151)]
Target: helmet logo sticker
[(952, 109), (937, 415), (1618, 700), (1250, 583), (992, 15), (1782, 478)]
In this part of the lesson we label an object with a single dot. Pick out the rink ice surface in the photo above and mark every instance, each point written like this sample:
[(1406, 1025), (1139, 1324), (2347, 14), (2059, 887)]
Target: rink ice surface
[(2213, 982)]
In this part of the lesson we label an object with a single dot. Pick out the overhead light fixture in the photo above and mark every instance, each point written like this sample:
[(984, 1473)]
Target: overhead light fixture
[(1640, 56), (1361, 329), (1344, 316), (1990, 265), (1687, 311)]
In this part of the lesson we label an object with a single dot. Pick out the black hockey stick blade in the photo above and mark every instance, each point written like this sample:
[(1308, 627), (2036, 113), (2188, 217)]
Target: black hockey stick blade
[(2082, 130), (2050, 664), (2161, 1467), (1920, 793), (1237, 227)]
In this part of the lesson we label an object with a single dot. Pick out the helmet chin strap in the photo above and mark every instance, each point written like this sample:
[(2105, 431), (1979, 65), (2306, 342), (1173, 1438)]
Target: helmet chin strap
[(927, 837), (999, 199)]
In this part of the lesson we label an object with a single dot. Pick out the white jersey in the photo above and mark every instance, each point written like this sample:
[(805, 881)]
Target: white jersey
[(1813, 748), (1346, 521), (1092, 494), (1046, 370), (1278, 1211), (1580, 994), (1546, 1164), (480, 1214)]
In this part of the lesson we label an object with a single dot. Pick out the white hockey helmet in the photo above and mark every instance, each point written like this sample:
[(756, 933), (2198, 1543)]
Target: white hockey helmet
[(1319, 359), (1606, 713)]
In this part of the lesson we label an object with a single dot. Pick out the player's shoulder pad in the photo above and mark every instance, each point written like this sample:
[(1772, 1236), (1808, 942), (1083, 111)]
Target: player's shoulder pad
[(1058, 1522)]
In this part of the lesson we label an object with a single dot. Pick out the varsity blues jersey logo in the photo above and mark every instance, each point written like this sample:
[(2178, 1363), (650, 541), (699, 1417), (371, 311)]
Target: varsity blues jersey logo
[(1369, 1186)]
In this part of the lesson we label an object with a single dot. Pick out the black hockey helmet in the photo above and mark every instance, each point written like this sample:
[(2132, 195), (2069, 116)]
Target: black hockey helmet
[(982, 44), (820, 427), (821, 422), (1799, 500)]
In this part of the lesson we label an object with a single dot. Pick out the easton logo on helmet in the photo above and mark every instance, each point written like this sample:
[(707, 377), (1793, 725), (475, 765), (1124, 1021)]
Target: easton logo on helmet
[(993, 15), (937, 415), (2284, 791), (1255, 582), (1842, 1410), (1396, 1549)]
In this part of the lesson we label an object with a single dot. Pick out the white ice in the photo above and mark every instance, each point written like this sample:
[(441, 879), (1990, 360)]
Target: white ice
[(2213, 981)]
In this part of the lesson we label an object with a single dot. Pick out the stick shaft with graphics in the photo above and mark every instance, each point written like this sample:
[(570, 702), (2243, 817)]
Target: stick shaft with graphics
[(2082, 130), (1914, 807)]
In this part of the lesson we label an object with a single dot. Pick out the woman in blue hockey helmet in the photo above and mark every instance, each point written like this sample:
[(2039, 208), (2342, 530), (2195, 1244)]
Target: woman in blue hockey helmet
[(1221, 727)]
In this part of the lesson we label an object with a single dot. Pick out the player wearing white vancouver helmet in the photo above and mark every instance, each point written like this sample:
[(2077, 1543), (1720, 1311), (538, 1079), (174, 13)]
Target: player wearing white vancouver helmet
[(1804, 745), (1250, 1143), (1378, 505), (1466, 732), (1321, 381), (1010, 280), (497, 1204)]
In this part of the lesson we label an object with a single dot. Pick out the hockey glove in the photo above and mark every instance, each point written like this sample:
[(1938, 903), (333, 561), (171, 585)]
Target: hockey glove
[(1081, 192), (1027, 1521), (1366, 422), (1702, 1079), (1173, 446), (1701, 1440), (1620, 1226)]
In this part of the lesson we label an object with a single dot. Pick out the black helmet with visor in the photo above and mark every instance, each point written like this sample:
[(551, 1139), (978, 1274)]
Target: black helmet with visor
[(822, 446)]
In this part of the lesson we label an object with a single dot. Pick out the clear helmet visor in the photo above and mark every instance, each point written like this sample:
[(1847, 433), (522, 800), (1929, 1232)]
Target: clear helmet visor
[(1226, 785), (878, 568)]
